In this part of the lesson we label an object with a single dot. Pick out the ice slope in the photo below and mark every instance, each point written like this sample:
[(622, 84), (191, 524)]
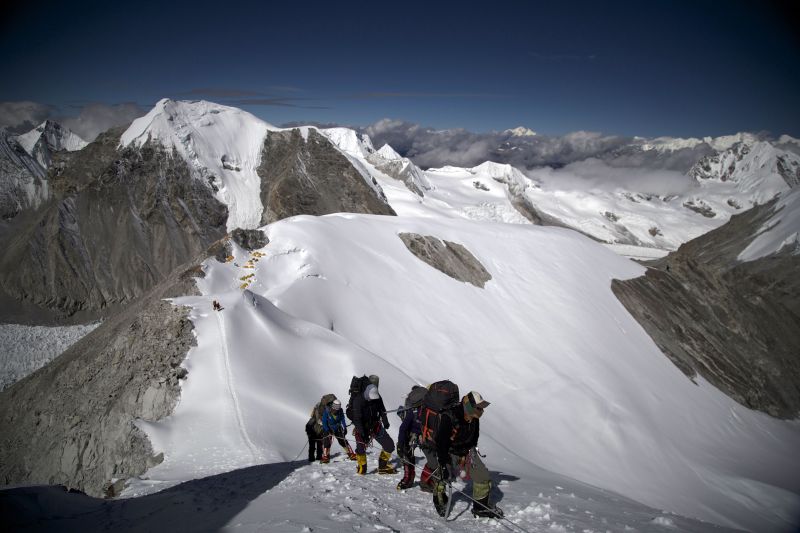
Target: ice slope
[(221, 144), (577, 387)]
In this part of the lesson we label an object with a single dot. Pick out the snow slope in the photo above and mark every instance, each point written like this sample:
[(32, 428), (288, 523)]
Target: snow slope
[(780, 232), (221, 144), (577, 387), (295, 496)]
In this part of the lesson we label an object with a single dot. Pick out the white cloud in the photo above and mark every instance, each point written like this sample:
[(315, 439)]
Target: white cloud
[(23, 116), (594, 174), (96, 118)]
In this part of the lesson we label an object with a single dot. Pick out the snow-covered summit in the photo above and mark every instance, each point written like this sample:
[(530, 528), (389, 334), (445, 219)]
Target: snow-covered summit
[(48, 137), (222, 146), (350, 141), (57, 137), (671, 144), (758, 170), (502, 172), (520, 131), (388, 153)]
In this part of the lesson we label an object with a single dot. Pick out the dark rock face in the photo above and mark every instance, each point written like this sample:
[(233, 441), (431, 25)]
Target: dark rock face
[(311, 177), (21, 177), (736, 324), (71, 422), (249, 239), (119, 222), (447, 257)]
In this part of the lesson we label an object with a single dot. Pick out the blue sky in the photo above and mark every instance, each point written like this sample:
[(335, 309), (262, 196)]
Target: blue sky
[(628, 68)]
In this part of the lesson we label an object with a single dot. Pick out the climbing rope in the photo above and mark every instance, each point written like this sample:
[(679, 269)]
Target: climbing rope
[(452, 490)]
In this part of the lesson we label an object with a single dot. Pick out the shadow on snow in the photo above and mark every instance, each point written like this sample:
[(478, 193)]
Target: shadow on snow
[(206, 504)]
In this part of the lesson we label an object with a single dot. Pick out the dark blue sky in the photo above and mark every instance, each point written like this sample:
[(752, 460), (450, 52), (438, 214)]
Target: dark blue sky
[(632, 68)]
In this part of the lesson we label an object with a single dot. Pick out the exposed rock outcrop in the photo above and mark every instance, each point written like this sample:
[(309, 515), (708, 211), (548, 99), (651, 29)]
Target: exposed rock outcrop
[(119, 222), (448, 257), (72, 422), (737, 324), (311, 177), (22, 178), (249, 239)]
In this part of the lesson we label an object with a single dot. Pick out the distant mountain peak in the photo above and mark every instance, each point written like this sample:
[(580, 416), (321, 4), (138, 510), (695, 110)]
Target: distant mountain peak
[(520, 131), (47, 137), (222, 145)]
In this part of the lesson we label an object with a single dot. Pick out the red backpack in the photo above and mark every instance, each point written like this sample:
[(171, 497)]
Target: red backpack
[(441, 397)]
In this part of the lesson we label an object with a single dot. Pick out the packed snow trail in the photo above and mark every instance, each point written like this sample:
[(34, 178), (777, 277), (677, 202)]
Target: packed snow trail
[(297, 496), (232, 390)]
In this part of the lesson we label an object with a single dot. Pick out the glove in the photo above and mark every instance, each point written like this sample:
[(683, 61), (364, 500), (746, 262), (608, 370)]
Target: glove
[(385, 421), (446, 473)]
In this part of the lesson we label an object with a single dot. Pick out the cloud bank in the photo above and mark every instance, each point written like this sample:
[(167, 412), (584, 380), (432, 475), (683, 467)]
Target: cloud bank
[(96, 118), (23, 116), (598, 175)]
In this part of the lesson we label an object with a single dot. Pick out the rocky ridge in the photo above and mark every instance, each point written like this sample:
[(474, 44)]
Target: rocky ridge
[(737, 324), (73, 421), (118, 223), (310, 176)]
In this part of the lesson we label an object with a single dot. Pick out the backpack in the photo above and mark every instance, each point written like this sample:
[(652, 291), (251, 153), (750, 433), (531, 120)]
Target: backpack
[(413, 400), (319, 409), (439, 399), (357, 386)]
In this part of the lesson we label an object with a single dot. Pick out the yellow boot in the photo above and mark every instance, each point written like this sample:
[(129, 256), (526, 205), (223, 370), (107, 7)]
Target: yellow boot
[(383, 463), (361, 469)]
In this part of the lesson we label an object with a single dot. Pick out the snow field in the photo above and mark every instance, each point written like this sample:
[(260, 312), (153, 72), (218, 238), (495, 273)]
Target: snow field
[(576, 385)]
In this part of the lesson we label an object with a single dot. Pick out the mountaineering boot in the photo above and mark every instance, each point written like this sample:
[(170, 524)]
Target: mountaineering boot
[(483, 509), (326, 456), (361, 469), (310, 454), (440, 498), (408, 477), (426, 482), (383, 463), (350, 453)]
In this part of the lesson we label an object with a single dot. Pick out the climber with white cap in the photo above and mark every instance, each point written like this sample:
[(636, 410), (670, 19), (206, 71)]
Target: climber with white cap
[(370, 422)]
